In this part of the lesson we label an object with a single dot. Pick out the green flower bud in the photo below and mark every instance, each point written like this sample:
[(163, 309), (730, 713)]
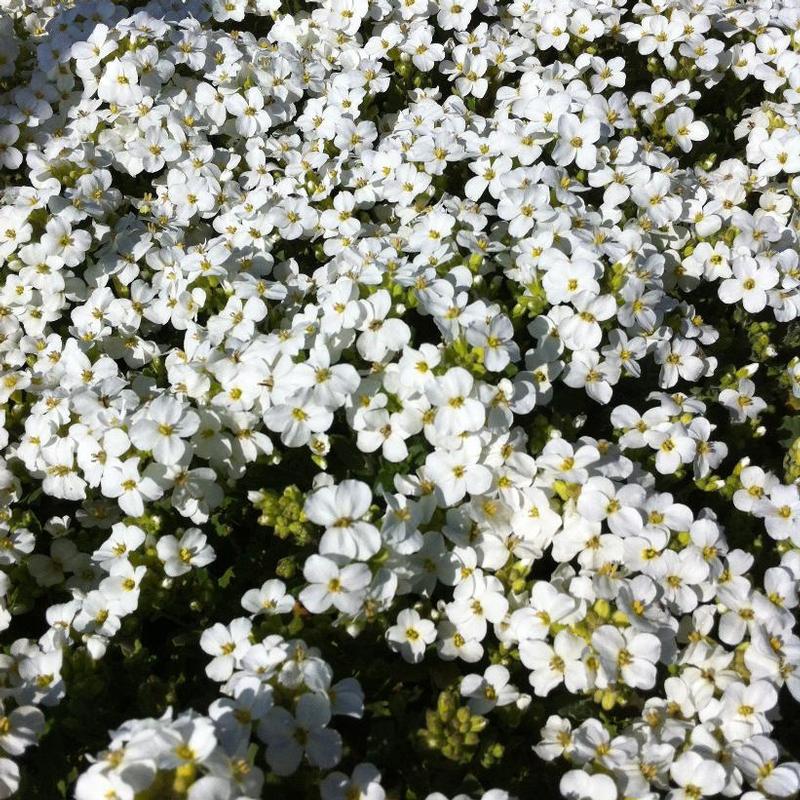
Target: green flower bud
[(286, 568)]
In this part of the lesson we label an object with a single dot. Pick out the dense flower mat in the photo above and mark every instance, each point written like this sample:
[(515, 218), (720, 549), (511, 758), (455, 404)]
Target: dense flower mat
[(399, 399)]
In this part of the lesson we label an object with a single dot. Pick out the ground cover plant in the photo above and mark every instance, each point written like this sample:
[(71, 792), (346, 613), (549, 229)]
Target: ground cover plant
[(399, 399)]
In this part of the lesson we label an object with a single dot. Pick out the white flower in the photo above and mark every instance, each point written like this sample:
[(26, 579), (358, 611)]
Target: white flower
[(749, 284), (620, 508), (119, 83), (579, 785), (62, 479), (291, 736), (364, 783), (673, 445), (655, 199), (380, 334), (496, 339), (557, 738), (582, 331), (124, 483), (585, 371), (755, 485), (477, 602), (227, 644), (576, 141), (180, 555), (22, 728), (411, 635), (344, 588), (563, 662), (678, 360), (458, 410), (10, 157), (685, 129), (780, 511), (742, 402), (488, 690), (248, 109), (696, 776), (744, 709), (298, 419), (271, 598), (627, 655), (162, 429), (341, 510), (458, 472), (452, 14), (758, 760)]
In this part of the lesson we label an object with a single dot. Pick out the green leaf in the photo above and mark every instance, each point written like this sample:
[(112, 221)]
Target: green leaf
[(225, 578), (790, 424)]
